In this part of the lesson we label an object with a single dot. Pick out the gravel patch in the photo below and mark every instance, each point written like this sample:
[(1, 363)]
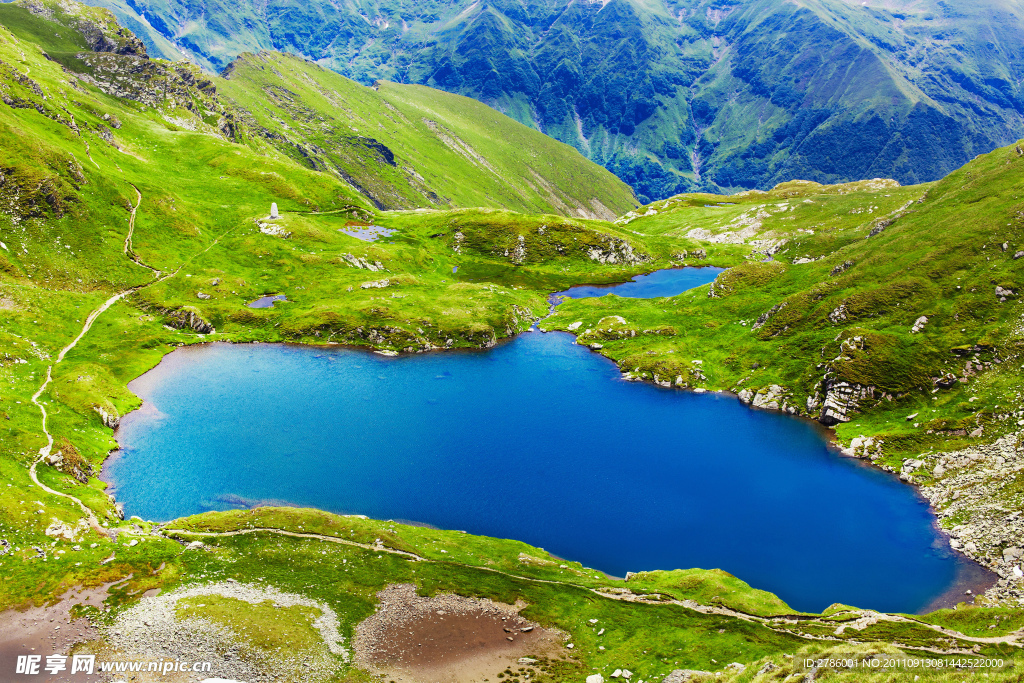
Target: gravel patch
[(152, 630)]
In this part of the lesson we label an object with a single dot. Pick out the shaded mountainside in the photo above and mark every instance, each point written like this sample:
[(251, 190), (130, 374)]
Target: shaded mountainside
[(675, 95)]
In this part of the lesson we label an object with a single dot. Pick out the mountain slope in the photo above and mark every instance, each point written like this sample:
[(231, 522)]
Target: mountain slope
[(410, 146), (448, 150), (677, 95)]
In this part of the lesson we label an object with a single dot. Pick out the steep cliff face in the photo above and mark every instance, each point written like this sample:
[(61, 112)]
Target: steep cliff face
[(675, 95)]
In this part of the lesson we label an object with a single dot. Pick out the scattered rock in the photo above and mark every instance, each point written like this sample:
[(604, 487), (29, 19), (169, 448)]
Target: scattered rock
[(274, 230), (684, 675), (919, 324), (361, 262), (58, 528), (841, 268), (764, 317)]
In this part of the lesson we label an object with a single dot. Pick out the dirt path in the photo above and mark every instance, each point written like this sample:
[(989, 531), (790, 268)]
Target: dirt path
[(282, 532), (46, 450), (629, 596), (129, 248)]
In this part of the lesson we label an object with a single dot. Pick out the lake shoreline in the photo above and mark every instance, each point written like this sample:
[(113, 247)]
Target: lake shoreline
[(945, 599), (977, 581)]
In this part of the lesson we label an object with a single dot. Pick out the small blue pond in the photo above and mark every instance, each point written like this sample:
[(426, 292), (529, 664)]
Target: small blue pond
[(670, 282), (268, 301), (368, 233), (538, 439)]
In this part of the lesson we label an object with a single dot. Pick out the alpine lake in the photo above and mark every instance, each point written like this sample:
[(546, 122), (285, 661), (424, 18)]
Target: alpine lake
[(540, 440)]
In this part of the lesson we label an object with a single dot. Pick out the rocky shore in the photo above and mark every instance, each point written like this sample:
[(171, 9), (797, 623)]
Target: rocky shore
[(977, 496), (974, 492)]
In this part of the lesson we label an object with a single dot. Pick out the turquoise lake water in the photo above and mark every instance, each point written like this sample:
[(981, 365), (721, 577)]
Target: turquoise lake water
[(539, 440), (667, 282)]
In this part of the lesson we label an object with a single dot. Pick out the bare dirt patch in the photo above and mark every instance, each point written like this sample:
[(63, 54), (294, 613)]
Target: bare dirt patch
[(447, 638), (47, 630)]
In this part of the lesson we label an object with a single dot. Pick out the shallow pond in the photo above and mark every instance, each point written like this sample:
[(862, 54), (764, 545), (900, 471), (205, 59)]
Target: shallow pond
[(668, 282), (367, 233), (540, 440), (267, 301)]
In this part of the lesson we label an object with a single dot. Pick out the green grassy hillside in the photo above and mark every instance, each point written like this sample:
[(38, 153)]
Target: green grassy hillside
[(409, 146), (675, 95), (136, 222), (890, 312), (831, 284), (402, 147)]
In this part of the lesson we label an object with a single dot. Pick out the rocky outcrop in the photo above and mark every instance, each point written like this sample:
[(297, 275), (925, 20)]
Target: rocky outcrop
[(521, 318), (273, 229), (610, 327), (972, 492), (98, 26), (155, 84), (697, 254), (841, 268), (842, 400), (361, 262), (614, 250), (766, 316), (111, 420), (187, 318), (518, 254), (840, 314), (72, 464), (687, 675), (772, 397), (376, 284)]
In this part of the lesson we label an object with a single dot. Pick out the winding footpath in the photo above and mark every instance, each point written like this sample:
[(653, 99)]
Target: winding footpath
[(867, 618), (129, 247), (45, 451)]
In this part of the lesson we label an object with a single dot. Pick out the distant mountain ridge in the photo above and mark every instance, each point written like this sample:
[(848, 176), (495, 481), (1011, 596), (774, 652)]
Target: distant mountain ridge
[(671, 95)]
